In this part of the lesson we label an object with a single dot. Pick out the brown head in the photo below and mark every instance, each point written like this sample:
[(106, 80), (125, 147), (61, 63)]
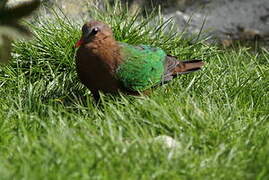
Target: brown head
[(94, 30)]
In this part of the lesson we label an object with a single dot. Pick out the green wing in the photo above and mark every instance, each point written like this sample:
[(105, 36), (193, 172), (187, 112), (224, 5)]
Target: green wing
[(142, 67)]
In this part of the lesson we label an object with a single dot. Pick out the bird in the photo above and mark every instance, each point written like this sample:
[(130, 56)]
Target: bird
[(109, 66)]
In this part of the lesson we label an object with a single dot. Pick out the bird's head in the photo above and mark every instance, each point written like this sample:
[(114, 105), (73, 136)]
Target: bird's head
[(94, 30)]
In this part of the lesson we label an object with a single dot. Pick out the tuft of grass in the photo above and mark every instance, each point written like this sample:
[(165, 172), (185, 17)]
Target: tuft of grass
[(50, 128)]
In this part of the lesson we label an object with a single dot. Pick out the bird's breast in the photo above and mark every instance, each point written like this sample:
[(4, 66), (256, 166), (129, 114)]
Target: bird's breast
[(96, 69)]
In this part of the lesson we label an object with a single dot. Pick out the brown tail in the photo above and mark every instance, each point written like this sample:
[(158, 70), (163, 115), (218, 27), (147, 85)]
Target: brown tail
[(174, 67), (184, 67)]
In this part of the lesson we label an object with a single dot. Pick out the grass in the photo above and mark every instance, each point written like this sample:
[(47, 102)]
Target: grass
[(50, 128)]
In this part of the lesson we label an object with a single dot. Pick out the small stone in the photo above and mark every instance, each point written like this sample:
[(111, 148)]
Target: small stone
[(167, 141)]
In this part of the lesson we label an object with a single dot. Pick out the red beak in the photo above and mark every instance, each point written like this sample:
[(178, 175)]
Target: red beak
[(79, 43)]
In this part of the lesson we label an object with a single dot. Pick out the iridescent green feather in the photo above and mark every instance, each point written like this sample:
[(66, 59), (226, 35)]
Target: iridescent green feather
[(142, 67)]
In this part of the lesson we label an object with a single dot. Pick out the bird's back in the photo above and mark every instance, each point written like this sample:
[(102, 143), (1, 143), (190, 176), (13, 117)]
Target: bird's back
[(142, 66)]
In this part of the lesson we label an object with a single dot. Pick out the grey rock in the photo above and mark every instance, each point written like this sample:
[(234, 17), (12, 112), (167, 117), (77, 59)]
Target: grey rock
[(223, 16)]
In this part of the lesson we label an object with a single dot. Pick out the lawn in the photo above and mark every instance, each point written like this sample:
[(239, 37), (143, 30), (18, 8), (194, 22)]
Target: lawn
[(51, 129)]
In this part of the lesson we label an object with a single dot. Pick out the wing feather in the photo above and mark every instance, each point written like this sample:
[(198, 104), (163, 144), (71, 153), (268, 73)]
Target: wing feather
[(142, 66)]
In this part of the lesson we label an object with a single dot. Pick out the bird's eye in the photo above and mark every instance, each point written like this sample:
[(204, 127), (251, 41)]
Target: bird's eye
[(94, 31), (84, 29)]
